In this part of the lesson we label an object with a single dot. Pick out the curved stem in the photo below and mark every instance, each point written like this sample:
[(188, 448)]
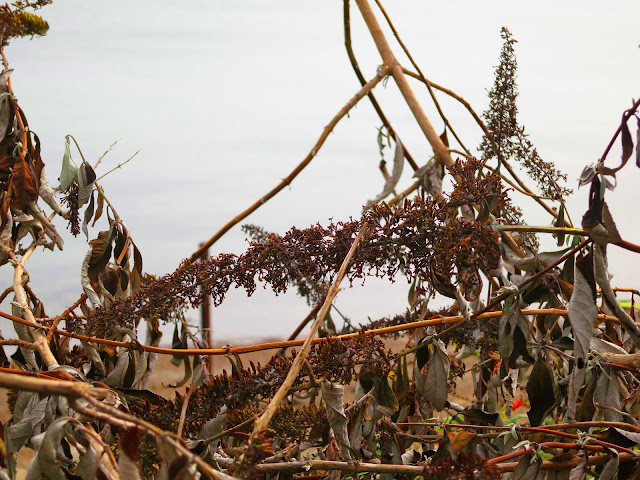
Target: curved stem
[(289, 178)]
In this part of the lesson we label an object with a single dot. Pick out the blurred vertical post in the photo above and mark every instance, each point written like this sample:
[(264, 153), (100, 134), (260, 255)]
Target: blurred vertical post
[(205, 319)]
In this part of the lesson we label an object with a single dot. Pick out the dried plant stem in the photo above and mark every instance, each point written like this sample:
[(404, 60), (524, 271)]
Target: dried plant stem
[(263, 421), (370, 95), (40, 339), (487, 133), (185, 403), (424, 80), (382, 73), (566, 464), (439, 148), (63, 315), (78, 390), (296, 343), (535, 229), (339, 466)]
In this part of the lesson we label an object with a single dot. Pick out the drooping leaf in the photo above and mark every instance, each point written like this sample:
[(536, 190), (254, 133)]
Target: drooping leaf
[(579, 472), (99, 208), (459, 440), (69, 168), (86, 179), (528, 468), (607, 393), (100, 253), (48, 452), (333, 397), (638, 144), (128, 446), (24, 184), (540, 392), (88, 213), (583, 313), (480, 417), (394, 178), (435, 388), (627, 144), (610, 468)]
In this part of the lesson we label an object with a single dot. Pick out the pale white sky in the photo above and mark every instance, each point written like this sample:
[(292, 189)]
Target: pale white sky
[(225, 98)]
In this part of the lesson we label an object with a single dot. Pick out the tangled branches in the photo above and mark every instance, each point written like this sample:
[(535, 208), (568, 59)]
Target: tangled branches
[(423, 236)]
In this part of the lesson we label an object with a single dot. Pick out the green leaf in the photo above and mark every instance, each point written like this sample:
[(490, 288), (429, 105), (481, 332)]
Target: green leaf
[(69, 168)]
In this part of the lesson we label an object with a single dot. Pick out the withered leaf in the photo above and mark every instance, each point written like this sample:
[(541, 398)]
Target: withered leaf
[(459, 440), (100, 254), (127, 465), (607, 393), (579, 472), (86, 179), (99, 208), (24, 184), (627, 144), (435, 383), (638, 144), (540, 392), (333, 397), (88, 213), (528, 468), (583, 313), (611, 467)]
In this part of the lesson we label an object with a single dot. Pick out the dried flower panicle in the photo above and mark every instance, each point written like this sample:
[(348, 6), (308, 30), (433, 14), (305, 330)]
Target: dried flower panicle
[(420, 235), (508, 139)]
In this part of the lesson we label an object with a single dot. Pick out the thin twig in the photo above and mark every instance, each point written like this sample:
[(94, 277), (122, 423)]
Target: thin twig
[(105, 154), (423, 78), (120, 165), (440, 150), (296, 343), (382, 73), (185, 403), (370, 95), (261, 423)]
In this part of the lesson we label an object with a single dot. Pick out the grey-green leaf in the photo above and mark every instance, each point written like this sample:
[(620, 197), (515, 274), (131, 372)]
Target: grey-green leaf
[(333, 397), (435, 382), (69, 168), (607, 393)]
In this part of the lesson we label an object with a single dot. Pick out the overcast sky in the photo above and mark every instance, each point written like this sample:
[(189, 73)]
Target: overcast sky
[(225, 98)]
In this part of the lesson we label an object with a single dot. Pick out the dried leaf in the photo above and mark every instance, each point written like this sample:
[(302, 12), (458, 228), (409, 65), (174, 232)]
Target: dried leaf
[(579, 472), (459, 440), (607, 393), (88, 213), (528, 468), (610, 468), (583, 313), (116, 377), (394, 178), (86, 179), (433, 386), (24, 184), (540, 392), (333, 397), (47, 455), (127, 465), (99, 208), (627, 144), (638, 144)]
